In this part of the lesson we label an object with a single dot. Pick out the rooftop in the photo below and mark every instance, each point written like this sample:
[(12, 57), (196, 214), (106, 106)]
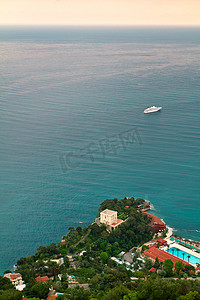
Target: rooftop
[(154, 219), (161, 241), (154, 252), (13, 276), (152, 270), (42, 279), (109, 212), (117, 223)]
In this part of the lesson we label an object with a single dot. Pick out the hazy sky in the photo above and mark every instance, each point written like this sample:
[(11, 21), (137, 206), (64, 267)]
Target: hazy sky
[(100, 12)]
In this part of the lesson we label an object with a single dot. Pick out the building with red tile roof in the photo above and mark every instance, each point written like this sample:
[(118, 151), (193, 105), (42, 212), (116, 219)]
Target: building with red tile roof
[(156, 223), (162, 242), (15, 278), (116, 224), (42, 279), (109, 217), (152, 270), (154, 252)]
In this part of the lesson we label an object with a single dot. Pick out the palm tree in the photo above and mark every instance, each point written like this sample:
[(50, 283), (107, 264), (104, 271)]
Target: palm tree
[(177, 251), (188, 257), (161, 264)]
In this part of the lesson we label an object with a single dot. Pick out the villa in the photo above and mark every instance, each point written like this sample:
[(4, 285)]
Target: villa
[(42, 279), (109, 217), (16, 279)]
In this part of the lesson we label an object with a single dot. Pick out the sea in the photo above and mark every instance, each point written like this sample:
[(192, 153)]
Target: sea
[(73, 132)]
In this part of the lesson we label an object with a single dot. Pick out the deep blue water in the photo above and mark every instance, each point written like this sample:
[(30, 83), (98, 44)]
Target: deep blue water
[(73, 96)]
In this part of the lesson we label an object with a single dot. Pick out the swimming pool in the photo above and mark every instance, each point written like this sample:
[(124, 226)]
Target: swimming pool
[(184, 255)]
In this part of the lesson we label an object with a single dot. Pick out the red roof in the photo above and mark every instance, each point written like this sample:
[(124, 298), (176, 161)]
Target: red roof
[(198, 268), (51, 297), (42, 279), (161, 241), (154, 246), (155, 222), (14, 276), (117, 223), (152, 270), (162, 255)]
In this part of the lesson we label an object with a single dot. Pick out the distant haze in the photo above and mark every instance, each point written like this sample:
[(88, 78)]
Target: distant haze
[(100, 12)]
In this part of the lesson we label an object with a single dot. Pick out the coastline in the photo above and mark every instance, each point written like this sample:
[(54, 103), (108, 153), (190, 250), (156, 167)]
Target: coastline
[(170, 233), (123, 240)]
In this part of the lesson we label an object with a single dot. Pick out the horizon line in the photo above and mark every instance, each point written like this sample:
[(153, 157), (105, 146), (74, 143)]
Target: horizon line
[(96, 25)]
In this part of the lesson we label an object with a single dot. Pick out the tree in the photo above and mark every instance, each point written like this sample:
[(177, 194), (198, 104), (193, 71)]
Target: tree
[(190, 296), (64, 251), (177, 250), (78, 293), (66, 261), (5, 284), (11, 294), (64, 286), (185, 275), (168, 267), (72, 249), (117, 293), (71, 228), (179, 266), (57, 286), (148, 264), (7, 272), (39, 290), (157, 263), (162, 273), (35, 298), (104, 256), (189, 269), (79, 229)]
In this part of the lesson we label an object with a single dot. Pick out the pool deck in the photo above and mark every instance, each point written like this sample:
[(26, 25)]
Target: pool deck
[(189, 251)]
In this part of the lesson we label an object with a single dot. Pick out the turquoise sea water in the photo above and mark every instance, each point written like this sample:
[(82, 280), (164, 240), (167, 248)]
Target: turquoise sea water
[(70, 97)]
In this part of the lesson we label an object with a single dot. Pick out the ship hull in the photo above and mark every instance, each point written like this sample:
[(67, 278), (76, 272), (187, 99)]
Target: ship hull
[(149, 111)]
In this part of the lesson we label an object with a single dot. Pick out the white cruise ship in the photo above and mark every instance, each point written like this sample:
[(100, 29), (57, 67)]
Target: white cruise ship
[(152, 109)]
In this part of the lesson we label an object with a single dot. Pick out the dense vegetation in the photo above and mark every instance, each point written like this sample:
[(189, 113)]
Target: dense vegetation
[(116, 285), (90, 250), (121, 206)]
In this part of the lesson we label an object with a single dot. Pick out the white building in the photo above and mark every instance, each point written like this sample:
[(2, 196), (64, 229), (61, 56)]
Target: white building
[(16, 279), (109, 217)]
